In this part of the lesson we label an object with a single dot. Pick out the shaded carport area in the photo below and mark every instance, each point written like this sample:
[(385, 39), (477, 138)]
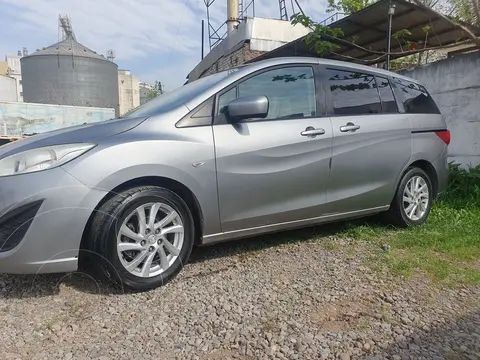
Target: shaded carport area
[(369, 27)]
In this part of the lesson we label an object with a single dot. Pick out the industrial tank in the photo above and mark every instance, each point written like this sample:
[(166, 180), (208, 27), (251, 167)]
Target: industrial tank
[(68, 73)]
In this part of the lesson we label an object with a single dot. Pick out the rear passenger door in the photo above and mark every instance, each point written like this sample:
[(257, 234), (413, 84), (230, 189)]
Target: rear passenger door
[(371, 140)]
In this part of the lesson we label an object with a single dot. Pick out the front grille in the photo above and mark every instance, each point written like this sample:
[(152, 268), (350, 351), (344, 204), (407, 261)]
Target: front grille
[(15, 223)]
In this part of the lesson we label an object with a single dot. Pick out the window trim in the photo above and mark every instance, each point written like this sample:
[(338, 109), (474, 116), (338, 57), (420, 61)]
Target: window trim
[(188, 121), (402, 97), (390, 83), (330, 107), (221, 119), (398, 95)]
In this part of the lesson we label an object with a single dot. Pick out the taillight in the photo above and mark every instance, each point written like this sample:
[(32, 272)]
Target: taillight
[(444, 135)]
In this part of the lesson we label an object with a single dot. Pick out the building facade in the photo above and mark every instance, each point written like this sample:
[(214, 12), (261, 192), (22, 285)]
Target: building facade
[(128, 91), (15, 71), (8, 89), (3, 68)]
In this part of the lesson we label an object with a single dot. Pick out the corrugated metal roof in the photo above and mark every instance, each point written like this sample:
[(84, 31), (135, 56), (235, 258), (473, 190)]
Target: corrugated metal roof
[(69, 47), (370, 26)]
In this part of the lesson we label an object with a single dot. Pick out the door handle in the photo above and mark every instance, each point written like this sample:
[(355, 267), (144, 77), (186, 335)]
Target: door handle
[(349, 127), (310, 131)]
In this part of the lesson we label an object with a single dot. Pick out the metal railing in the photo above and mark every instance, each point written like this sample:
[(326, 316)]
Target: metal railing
[(331, 19)]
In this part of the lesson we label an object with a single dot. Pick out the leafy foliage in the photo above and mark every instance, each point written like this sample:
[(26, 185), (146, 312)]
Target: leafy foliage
[(464, 188), (406, 62), (348, 7), (467, 11), (318, 39), (400, 36), (155, 91), (291, 78)]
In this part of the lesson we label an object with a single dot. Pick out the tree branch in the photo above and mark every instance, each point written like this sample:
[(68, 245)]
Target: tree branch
[(359, 47), (366, 62), (402, 53), (461, 26), (398, 54)]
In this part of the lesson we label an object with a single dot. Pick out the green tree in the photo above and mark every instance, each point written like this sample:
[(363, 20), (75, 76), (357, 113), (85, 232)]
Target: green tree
[(156, 90), (467, 11), (348, 7)]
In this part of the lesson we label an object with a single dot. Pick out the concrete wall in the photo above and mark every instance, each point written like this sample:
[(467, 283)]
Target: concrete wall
[(14, 70), (18, 119), (455, 86), (128, 91), (8, 89)]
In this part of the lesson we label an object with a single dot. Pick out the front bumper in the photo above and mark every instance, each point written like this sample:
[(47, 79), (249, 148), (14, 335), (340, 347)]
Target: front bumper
[(52, 240)]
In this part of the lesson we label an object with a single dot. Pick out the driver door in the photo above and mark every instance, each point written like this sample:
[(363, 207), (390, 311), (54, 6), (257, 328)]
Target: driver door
[(271, 172)]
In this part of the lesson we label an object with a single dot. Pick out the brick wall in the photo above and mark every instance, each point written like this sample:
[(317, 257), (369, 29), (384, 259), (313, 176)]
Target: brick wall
[(235, 58), (251, 54)]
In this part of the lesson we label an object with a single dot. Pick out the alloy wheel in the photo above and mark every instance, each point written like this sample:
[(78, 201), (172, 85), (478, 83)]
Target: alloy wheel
[(416, 198), (150, 239)]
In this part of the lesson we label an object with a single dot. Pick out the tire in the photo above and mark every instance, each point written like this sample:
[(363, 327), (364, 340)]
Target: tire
[(397, 214), (119, 214)]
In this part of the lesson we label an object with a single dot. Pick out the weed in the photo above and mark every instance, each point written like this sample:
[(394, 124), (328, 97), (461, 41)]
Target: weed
[(447, 247)]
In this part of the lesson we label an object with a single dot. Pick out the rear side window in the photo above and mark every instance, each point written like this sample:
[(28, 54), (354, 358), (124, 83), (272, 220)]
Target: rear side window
[(389, 105), (353, 93), (416, 98)]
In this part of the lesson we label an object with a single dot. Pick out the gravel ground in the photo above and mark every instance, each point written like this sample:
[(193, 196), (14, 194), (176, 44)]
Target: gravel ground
[(262, 298)]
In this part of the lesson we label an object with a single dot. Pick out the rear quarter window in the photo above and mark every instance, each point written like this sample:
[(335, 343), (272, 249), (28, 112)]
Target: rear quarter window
[(415, 97)]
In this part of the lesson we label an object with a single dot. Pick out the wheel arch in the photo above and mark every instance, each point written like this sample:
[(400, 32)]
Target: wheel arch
[(173, 185), (431, 172), (426, 166)]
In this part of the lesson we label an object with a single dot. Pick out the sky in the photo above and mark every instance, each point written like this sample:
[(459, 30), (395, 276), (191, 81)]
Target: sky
[(154, 39)]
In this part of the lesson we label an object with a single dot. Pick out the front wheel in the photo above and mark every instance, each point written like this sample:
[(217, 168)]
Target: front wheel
[(413, 199), (144, 236)]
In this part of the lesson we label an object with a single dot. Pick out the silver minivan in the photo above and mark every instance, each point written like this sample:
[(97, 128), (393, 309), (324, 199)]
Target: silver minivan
[(275, 145)]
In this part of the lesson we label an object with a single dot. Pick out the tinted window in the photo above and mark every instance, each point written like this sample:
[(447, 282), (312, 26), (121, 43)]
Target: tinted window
[(386, 95), (353, 93), (290, 91), (416, 98), (225, 99)]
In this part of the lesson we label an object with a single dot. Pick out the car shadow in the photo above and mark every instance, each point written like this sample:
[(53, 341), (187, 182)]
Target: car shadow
[(453, 338), (27, 286), (237, 247)]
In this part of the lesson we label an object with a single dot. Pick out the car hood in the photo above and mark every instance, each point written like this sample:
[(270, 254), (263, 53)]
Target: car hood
[(73, 134)]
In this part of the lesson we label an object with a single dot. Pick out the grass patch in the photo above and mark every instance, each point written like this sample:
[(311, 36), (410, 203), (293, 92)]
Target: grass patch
[(447, 247)]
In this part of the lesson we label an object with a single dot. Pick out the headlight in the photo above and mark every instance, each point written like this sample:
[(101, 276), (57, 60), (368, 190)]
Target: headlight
[(41, 158)]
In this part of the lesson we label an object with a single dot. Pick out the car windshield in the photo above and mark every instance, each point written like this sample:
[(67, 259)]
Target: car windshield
[(178, 97)]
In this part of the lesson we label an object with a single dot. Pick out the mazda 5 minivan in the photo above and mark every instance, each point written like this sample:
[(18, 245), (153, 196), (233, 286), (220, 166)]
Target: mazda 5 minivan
[(275, 145)]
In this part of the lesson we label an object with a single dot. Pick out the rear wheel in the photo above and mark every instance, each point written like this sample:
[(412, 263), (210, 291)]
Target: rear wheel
[(413, 199), (144, 236)]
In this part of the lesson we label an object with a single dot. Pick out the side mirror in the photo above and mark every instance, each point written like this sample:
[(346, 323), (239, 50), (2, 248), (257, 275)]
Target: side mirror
[(247, 108)]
